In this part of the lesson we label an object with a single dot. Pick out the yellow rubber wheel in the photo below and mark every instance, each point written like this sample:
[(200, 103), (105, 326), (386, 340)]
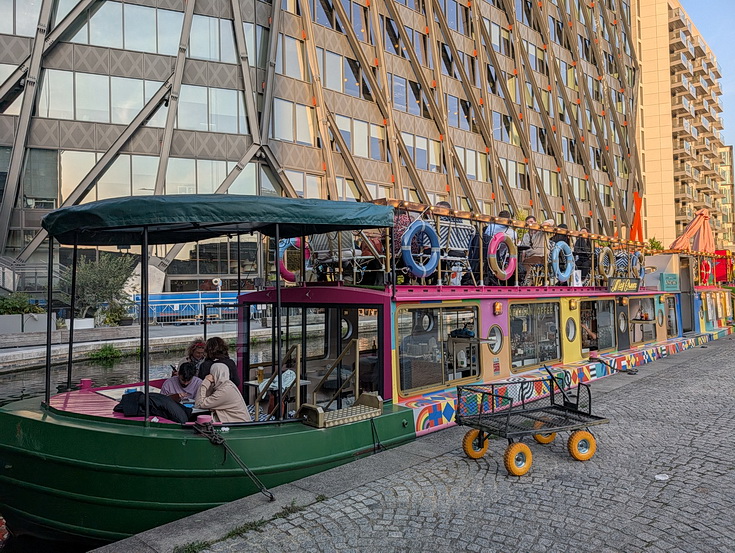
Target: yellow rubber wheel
[(474, 445), (517, 459), (543, 438), (582, 445)]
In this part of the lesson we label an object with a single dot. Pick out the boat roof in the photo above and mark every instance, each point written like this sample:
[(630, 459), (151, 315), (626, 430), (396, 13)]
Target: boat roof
[(191, 217)]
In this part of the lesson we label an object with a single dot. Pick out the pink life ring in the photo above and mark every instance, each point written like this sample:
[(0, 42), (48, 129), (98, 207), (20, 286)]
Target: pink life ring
[(492, 256), (282, 247)]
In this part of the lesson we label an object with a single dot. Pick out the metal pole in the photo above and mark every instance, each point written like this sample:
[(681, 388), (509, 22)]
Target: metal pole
[(279, 397), (144, 320), (394, 272), (239, 281), (49, 300), (73, 311)]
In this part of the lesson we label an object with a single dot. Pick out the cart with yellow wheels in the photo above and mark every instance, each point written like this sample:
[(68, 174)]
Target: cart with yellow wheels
[(539, 408)]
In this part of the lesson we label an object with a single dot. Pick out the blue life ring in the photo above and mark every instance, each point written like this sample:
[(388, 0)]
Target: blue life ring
[(637, 260), (559, 248), (414, 229)]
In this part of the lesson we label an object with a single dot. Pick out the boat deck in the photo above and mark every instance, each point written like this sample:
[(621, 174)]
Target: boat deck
[(99, 402)]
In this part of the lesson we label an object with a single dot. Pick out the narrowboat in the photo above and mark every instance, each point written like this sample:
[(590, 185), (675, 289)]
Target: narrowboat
[(377, 310)]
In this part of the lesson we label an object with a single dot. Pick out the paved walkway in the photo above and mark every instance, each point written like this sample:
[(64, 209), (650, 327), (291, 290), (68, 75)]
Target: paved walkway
[(663, 481)]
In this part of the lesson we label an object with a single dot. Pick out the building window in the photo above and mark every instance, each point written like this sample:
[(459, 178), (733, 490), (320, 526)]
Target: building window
[(92, 97)]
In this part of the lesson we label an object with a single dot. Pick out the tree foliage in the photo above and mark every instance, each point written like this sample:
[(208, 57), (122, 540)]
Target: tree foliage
[(17, 302), (99, 282)]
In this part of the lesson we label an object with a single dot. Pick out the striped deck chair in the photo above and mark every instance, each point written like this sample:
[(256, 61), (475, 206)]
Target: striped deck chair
[(455, 236), (325, 251)]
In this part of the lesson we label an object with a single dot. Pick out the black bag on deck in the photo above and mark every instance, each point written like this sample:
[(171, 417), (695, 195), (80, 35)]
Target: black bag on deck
[(133, 405)]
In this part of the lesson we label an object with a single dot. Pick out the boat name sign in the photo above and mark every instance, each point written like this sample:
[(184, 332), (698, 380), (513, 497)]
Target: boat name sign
[(623, 285)]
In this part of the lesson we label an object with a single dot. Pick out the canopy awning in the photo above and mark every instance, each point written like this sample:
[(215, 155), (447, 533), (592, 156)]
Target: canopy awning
[(697, 235), (191, 217)]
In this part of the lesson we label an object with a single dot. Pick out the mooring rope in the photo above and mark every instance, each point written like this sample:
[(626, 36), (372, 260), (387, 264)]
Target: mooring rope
[(377, 446), (207, 430)]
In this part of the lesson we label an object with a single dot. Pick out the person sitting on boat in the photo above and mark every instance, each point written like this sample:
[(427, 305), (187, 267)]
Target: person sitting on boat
[(217, 352), (194, 354), (494, 228), (221, 397), (184, 385), (583, 254), (534, 241)]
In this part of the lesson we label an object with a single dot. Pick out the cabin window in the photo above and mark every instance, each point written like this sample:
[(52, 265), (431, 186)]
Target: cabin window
[(642, 320), (436, 346), (534, 334), (596, 319)]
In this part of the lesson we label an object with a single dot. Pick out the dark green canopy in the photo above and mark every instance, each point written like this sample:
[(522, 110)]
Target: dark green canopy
[(192, 217)]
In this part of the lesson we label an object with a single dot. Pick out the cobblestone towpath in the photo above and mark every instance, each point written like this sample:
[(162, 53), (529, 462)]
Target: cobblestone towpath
[(662, 481)]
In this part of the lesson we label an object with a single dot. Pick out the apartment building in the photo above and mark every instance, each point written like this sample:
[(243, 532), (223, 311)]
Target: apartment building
[(726, 187), (682, 128), (492, 104)]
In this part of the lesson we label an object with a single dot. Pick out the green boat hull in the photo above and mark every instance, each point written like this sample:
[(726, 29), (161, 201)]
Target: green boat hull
[(78, 478)]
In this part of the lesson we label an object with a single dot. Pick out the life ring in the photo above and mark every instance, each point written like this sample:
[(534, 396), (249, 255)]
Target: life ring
[(606, 253), (414, 229), (562, 248), (492, 256), (637, 261), (283, 245), (705, 271), (217, 281)]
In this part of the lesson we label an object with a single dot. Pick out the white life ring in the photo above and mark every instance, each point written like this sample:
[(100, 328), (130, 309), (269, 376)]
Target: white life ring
[(217, 281), (559, 249), (414, 229), (492, 256)]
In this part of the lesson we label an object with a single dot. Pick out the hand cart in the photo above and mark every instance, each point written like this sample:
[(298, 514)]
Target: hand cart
[(528, 407)]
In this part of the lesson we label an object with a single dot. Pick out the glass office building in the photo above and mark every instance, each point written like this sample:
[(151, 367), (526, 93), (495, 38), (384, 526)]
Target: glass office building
[(517, 104)]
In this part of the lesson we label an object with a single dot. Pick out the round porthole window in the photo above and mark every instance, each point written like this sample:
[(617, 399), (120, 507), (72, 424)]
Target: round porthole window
[(622, 322), (427, 322), (571, 329), (346, 329), (495, 339), (660, 318)]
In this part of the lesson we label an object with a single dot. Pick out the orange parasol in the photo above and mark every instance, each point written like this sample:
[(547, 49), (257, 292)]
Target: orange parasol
[(699, 232)]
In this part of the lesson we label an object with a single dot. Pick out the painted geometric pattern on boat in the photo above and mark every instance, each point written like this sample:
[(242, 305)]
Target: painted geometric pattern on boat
[(435, 410)]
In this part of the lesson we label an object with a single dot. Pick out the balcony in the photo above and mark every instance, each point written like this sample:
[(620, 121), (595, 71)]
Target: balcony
[(699, 48), (679, 83), (717, 123), (677, 20), (682, 127), (684, 192), (684, 213), (683, 151), (678, 41), (681, 106), (679, 62), (717, 70)]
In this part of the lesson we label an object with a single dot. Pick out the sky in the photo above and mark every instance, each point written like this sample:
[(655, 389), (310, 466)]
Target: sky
[(715, 21)]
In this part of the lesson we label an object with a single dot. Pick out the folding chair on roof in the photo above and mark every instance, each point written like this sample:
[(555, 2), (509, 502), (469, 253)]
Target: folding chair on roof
[(455, 236), (325, 251)]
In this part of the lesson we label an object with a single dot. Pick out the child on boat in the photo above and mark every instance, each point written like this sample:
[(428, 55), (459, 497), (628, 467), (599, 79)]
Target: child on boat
[(184, 385)]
